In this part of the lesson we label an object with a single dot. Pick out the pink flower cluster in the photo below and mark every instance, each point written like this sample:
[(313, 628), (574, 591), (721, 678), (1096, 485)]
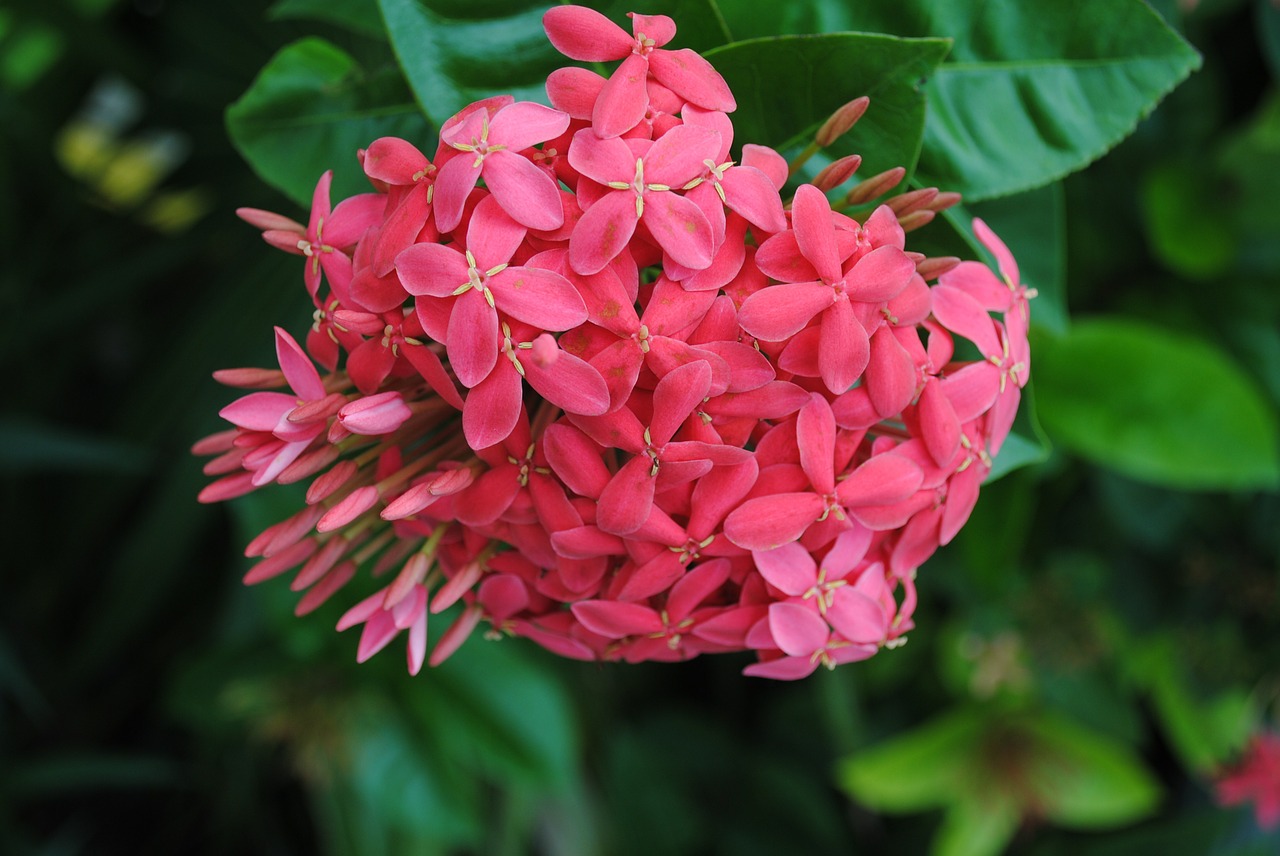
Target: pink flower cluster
[(1255, 779), (590, 376)]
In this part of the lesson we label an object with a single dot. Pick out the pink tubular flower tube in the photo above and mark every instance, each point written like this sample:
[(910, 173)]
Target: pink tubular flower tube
[(589, 380)]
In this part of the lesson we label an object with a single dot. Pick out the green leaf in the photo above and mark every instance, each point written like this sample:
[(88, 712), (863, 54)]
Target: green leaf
[(1031, 91), (1084, 780), (925, 768), (358, 16), (1038, 91), (981, 824), (453, 53), (1179, 200), (1158, 406), (787, 86), (310, 109)]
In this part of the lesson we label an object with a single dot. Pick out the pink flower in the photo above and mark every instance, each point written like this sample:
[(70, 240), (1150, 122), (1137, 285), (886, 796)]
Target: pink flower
[(643, 184), (606, 394), (493, 149), (584, 34), (1255, 779)]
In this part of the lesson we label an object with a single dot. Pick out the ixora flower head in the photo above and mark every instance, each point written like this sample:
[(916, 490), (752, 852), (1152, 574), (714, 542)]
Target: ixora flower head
[(597, 383)]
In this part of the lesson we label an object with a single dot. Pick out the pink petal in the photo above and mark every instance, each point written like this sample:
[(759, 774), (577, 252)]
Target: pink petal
[(603, 232), (961, 313), (891, 375), (1008, 264), (569, 383), (751, 193), (492, 235), (574, 90), (659, 28), (797, 630), (939, 426), (524, 124), (601, 160), (576, 459), (259, 411), (675, 398), (538, 297), (677, 157), (768, 161), (691, 77), (695, 587), (487, 498), (627, 500), (972, 390), (768, 522), (523, 190), (719, 492), (979, 282), (492, 408), (789, 568), (880, 275), (882, 480), (472, 340), (585, 34), (857, 617), (779, 258), (783, 668), (778, 312), (615, 620), (623, 100), (453, 185), (428, 364), (432, 269), (843, 349), (393, 160), (815, 232), (297, 367), (653, 577), (816, 436), (679, 227)]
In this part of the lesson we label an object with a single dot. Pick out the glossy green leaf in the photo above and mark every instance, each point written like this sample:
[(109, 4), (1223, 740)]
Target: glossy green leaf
[(924, 768), (787, 86), (1159, 406), (1180, 199), (1030, 92), (310, 109), (358, 16)]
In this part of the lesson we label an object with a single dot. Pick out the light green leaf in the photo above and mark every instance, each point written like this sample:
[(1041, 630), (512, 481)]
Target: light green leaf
[(310, 109), (1159, 406), (981, 824), (925, 768), (1084, 780), (786, 87)]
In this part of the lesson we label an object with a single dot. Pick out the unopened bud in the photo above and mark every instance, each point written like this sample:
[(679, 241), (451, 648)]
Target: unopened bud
[(250, 378), (837, 172), (932, 268), (945, 200), (841, 121), (913, 200), (915, 220), (875, 186)]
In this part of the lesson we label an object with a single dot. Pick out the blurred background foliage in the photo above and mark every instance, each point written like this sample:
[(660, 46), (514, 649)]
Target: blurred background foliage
[(1092, 651)]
